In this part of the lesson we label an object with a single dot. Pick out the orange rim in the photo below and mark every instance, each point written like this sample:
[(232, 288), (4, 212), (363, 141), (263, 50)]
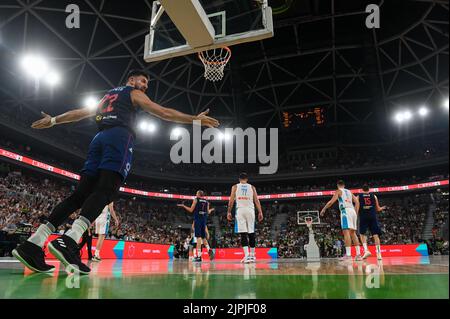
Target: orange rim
[(227, 58)]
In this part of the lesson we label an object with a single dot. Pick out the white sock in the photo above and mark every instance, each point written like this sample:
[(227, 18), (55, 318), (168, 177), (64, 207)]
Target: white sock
[(97, 253), (79, 227), (245, 251), (366, 249), (42, 233), (195, 252), (199, 252), (358, 251), (378, 248), (348, 251), (207, 247), (252, 251)]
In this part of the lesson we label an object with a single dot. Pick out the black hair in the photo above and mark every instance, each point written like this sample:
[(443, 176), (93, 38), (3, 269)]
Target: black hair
[(365, 188), (137, 73), (243, 176), (341, 182)]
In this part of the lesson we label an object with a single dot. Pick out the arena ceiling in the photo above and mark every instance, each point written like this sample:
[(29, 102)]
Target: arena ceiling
[(322, 56)]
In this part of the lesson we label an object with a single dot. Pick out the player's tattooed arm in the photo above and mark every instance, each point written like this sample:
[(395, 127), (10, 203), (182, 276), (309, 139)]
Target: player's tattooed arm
[(330, 203), (189, 209), (258, 204), (48, 121), (377, 204), (140, 99), (357, 204), (231, 202)]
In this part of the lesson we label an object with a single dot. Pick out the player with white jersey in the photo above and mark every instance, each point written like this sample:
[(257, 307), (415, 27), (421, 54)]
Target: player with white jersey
[(102, 228), (349, 218), (245, 197)]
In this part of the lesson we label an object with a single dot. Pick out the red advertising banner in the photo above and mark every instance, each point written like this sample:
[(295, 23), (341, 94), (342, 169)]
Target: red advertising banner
[(398, 250), (59, 171), (119, 249)]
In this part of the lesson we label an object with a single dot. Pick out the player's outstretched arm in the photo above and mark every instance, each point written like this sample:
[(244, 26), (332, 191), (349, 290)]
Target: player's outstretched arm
[(139, 98), (72, 116), (258, 205), (189, 209), (231, 202), (330, 203)]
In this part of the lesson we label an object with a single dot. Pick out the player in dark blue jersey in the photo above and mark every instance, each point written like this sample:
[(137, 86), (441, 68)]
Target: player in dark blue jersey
[(200, 209), (368, 220), (106, 168)]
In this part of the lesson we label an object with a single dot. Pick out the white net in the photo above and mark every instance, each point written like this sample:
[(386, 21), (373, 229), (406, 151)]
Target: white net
[(215, 61)]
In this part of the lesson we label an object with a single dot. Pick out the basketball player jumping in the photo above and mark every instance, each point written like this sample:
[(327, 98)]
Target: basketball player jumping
[(349, 218), (246, 198), (368, 220), (200, 209), (102, 228), (106, 168)]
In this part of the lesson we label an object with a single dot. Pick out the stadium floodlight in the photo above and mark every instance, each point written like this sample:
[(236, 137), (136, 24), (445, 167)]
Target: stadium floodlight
[(53, 78), (446, 104), (403, 116), (147, 127), (34, 65), (91, 103), (151, 127), (423, 111), (176, 132), (143, 126)]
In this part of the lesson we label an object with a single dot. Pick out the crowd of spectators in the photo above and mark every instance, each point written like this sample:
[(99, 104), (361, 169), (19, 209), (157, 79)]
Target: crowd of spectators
[(26, 198)]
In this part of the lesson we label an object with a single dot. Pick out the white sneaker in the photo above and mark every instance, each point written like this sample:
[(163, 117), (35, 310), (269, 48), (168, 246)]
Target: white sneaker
[(367, 254), (345, 258), (245, 259), (252, 259), (358, 258)]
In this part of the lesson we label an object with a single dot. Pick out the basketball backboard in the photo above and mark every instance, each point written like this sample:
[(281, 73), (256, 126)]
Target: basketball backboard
[(183, 27), (313, 216)]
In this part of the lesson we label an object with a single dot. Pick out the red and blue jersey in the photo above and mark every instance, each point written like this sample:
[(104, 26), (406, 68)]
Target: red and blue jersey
[(117, 109)]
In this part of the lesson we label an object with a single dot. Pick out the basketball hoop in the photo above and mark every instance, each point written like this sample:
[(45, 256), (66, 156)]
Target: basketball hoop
[(215, 61), (309, 222)]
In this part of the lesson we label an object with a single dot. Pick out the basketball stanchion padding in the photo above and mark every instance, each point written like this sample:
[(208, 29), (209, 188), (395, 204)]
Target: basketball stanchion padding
[(215, 61)]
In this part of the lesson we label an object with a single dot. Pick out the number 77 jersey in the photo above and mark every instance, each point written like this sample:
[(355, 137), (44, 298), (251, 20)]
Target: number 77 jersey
[(116, 109), (244, 196)]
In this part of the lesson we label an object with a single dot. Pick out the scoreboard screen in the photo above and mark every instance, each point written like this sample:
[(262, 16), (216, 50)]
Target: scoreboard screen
[(305, 119)]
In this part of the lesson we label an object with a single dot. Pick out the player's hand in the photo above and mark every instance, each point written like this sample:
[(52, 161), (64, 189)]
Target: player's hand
[(206, 120), (45, 122), (180, 205), (229, 217), (322, 212), (260, 217), (383, 208)]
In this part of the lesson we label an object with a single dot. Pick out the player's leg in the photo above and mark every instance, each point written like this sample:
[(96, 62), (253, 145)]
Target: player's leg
[(199, 234), (98, 247), (244, 243), (251, 236), (101, 227), (376, 232), (207, 246), (31, 253), (367, 252), (363, 227), (353, 226), (104, 193), (356, 244), (348, 243)]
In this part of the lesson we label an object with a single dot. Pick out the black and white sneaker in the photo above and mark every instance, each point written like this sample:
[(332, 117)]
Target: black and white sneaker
[(211, 254), (33, 257), (198, 259), (66, 250)]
